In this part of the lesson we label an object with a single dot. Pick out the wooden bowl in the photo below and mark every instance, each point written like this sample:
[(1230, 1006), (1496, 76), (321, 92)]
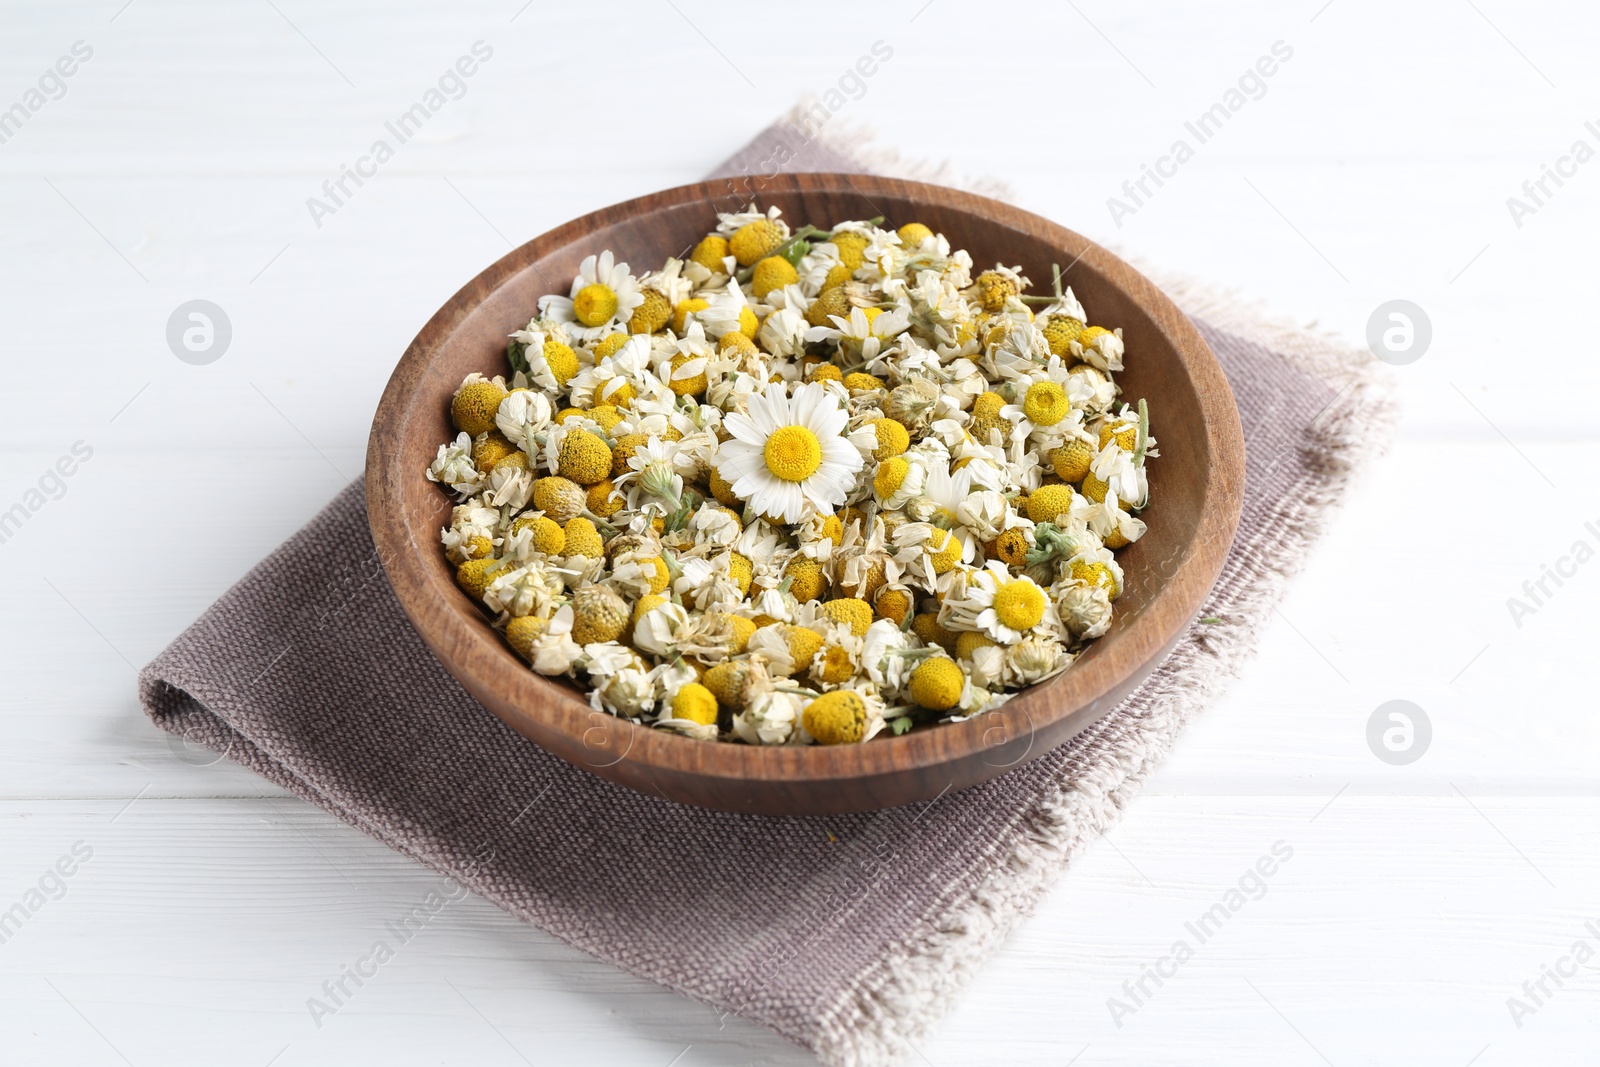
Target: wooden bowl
[(1196, 484)]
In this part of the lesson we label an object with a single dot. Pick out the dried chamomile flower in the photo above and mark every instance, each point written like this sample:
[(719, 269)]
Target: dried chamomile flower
[(836, 718), (475, 403), (800, 487), (936, 683), (453, 466)]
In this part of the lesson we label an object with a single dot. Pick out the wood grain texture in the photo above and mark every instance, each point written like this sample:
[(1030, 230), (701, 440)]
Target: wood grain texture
[(1198, 485)]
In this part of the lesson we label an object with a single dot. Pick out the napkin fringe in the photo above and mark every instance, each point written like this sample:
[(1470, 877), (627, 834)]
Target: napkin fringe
[(899, 999)]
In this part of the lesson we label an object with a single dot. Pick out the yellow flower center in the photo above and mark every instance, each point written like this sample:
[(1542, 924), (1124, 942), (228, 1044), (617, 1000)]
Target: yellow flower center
[(937, 683), (891, 475), (987, 405), (594, 304), (892, 438), (1012, 546), (1097, 573), (562, 360), (695, 703), (850, 246), (837, 718), (944, 550), (1019, 605), (793, 453), (616, 392), (1045, 404), (837, 667), (807, 580)]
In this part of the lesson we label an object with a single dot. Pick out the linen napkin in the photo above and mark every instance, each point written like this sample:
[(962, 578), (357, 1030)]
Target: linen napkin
[(846, 934)]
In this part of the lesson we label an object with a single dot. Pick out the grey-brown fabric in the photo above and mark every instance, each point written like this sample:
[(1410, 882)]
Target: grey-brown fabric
[(846, 934)]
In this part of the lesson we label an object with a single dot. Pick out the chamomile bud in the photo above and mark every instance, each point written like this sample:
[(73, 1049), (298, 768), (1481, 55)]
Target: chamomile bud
[(559, 498), (695, 703), (807, 582), (583, 457), (598, 614), (857, 614), (756, 240), (773, 272), (936, 684), (582, 539), (474, 406), (837, 718), (1071, 461), (710, 252), (650, 316)]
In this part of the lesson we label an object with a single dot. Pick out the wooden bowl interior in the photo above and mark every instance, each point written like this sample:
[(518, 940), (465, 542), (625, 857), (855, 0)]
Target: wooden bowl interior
[(1196, 502)]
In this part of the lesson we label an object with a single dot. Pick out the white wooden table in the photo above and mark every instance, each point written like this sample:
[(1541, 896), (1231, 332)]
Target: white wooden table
[(176, 166)]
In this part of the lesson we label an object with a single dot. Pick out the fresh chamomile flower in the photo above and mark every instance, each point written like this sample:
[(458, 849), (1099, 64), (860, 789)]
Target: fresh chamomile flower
[(789, 453), (603, 298), (999, 605)]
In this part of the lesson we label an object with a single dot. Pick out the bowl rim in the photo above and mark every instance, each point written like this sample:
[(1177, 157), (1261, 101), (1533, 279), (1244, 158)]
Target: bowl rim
[(553, 715)]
